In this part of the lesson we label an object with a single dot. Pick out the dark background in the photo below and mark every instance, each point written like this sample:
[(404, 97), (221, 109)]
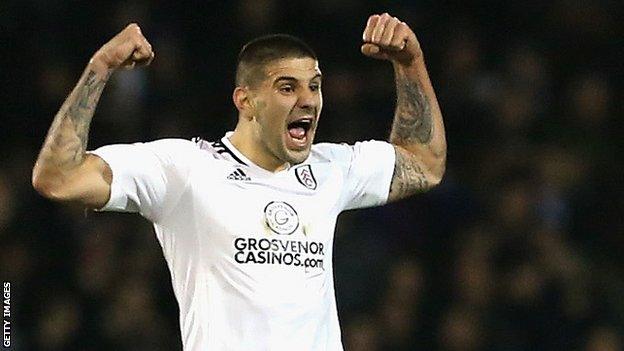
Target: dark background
[(520, 248)]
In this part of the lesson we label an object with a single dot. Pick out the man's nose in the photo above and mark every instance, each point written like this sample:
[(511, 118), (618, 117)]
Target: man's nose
[(307, 98)]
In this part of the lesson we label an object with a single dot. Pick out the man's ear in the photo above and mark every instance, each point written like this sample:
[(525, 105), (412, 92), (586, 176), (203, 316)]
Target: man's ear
[(242, 99)]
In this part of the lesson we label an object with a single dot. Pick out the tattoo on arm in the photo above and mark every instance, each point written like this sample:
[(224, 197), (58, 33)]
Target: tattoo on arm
[(413, 120), (67, 139), (82, 110), (409, 177), (420, 150)]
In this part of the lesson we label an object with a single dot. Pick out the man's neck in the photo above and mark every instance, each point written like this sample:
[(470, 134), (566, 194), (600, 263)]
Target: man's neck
[(256, 152)]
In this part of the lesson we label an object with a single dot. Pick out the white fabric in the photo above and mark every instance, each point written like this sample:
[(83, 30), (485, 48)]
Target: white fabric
[(250, 251)]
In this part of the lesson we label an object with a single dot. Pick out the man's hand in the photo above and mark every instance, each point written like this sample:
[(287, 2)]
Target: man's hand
[(387, 38), (127, 49)]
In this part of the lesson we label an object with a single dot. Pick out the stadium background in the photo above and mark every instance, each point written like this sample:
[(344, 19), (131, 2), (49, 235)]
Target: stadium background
[(519, 249)]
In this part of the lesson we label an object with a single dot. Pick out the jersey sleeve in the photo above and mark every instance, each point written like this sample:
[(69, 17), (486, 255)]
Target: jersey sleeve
[(148, 178), (367, 168)]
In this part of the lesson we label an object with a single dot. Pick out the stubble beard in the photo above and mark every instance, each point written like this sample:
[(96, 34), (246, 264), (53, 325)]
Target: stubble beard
[(293, 157)]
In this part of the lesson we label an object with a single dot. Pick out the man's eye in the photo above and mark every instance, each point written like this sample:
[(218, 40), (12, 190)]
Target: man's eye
[(287, 89), (315, 87)]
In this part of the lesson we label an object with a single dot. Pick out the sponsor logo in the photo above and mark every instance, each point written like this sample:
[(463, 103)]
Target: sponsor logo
[(281, 217), (238, 174), (305, 176), (309, 255)]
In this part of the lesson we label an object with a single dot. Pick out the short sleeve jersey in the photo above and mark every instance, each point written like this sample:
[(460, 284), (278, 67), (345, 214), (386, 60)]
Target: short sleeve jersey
[(249, 251)]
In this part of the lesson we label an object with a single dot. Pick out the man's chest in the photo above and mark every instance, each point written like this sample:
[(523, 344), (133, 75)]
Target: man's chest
[(283, 223), (288, 203)]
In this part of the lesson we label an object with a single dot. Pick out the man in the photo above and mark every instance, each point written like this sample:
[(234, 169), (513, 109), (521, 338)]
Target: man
[(246, 223)]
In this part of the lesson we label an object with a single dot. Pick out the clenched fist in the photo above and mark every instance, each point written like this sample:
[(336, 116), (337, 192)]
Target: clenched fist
[(387, 38), (127, 49)]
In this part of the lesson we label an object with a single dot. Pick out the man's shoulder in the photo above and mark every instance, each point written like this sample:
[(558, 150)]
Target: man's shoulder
[(171, 143), (178, 149), (329, 152), (343, 152), (174, 147), (217, 149)]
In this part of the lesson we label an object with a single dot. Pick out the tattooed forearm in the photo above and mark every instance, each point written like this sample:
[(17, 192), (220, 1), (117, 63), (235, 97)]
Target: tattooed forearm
[(81, 111), (417, 134), (413, 120), (66, 143)]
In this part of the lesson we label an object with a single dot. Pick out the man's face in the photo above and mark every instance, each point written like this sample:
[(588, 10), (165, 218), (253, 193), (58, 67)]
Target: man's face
[(287, 106)]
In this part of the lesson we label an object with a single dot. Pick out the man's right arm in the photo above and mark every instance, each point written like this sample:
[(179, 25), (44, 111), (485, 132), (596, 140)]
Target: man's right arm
[(64, 171)]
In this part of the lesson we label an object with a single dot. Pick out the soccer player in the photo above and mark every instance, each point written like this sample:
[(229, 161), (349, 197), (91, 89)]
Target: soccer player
[(246, 223)]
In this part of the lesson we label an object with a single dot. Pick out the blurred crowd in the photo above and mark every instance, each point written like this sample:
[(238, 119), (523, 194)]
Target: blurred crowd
[(520, 248)]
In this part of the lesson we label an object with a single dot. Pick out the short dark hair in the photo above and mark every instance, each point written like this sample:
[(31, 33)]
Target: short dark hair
[(256, 54)]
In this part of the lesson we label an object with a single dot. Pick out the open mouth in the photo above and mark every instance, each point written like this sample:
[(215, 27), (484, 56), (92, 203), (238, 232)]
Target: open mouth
[(298, 129), (298, 136)]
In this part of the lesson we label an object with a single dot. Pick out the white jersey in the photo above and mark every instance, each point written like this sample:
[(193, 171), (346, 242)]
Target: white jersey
[(250, 251)]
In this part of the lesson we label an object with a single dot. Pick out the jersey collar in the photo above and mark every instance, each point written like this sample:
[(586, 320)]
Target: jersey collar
[(226, 141)]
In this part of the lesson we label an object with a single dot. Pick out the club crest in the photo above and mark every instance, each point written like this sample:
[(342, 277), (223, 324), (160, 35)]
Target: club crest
[(305, 177)]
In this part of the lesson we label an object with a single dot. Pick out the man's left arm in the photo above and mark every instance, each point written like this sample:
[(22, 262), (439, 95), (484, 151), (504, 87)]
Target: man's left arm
[(417, 130)]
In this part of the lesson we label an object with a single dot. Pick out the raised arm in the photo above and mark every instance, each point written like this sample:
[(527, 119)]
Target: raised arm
[(417, 130), (64, 171)]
